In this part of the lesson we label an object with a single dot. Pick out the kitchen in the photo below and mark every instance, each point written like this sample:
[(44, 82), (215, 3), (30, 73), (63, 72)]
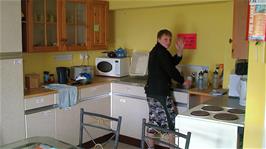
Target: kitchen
[(212, 21)]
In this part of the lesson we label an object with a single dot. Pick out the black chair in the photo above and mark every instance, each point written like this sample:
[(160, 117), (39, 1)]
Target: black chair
[(145, 125), (96, 115)]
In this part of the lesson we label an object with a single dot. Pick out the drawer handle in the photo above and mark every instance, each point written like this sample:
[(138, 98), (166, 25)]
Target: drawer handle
[(122, 100), (46, 113), (39, 100), (128, 89)]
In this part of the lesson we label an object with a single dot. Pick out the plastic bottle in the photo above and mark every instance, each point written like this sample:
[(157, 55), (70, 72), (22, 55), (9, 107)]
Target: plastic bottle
[(205, 79), (243, 90), (200, 80), (215, 79), (193, 75), (51, 78)]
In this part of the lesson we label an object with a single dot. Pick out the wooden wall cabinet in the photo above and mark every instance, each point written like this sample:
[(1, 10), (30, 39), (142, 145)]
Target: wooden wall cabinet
[(100, 24), (240, 22), (64, 25), (40, 25)]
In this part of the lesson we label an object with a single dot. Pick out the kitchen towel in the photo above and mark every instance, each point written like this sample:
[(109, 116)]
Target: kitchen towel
[(68, 95)]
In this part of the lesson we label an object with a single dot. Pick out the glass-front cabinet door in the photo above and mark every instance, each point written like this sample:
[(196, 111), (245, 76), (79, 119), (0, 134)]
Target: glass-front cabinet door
[(43, 25), (75, 25)]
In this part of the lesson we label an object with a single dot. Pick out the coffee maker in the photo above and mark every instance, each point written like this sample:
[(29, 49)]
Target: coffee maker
[(62, 75)]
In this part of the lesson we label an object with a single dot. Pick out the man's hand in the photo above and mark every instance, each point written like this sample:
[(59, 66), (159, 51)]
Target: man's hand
[(187, 84), (179, 46)]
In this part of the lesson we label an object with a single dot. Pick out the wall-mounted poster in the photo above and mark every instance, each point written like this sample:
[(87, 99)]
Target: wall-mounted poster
[(190, 40), (257, 20)]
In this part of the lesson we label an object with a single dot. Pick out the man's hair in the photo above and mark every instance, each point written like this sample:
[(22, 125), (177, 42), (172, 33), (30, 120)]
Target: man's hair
[(163, 32)]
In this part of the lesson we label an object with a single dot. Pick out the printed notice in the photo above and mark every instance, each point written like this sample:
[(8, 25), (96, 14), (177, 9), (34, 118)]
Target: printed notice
[(190, 40), (257, 22)]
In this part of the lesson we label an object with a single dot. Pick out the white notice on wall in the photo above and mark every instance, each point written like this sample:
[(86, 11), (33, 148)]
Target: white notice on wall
[(257, 2)]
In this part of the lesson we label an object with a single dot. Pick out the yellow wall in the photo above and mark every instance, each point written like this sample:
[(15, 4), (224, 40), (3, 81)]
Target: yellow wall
[(136, 29), (256, 97), (39, 62), (125, 4)]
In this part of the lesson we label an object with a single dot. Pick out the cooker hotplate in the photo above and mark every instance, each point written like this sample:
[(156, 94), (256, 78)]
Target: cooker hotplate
[(216, 113)]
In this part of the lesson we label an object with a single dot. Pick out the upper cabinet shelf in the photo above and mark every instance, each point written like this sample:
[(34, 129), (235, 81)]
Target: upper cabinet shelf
[(64, 25)]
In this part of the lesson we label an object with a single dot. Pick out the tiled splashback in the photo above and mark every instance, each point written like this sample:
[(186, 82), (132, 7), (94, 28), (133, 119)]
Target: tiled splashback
[(186, 70)]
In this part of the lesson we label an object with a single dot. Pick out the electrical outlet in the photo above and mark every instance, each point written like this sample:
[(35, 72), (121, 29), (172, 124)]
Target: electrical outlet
[(83, 56)]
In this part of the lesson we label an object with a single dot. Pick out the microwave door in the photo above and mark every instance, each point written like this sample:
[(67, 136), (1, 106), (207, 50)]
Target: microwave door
[(104, 67)]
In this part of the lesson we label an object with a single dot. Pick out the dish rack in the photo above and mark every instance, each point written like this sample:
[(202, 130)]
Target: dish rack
[(139, 64)]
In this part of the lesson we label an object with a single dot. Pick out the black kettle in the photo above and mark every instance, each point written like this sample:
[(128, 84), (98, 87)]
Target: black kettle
[(110, 54), (62, 74)]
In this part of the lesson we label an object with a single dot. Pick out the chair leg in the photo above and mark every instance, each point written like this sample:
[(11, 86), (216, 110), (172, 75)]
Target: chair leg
[(117, 132), (81, 127), (143, 134)]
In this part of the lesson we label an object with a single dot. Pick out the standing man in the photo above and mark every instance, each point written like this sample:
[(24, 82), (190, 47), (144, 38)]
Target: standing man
[(161, 69)]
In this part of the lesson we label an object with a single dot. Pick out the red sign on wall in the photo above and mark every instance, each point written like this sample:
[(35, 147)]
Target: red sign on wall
[(190, 40)]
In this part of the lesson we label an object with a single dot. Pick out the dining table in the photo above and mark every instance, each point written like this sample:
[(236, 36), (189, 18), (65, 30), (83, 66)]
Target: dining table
[(39, 142)]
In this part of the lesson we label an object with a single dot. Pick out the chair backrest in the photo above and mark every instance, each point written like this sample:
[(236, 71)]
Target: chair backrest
[(145, 125), (83, 125)]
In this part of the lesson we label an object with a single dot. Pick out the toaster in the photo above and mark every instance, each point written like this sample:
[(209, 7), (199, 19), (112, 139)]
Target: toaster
[(76, 70)]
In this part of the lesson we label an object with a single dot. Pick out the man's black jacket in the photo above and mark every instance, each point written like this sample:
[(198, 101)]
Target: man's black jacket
[(161, 69)]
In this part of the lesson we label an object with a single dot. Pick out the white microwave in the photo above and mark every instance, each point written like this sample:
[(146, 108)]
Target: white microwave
[(114, 67)]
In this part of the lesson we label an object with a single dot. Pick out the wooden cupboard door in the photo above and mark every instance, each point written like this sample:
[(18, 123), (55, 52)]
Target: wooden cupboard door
[(75, 25), (240, 42), (42, 21), (100, 24), (40, 124)]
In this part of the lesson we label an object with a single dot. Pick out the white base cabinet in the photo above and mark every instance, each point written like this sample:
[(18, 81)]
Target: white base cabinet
[(67, 124), (100, 105), (68, 120), (93, 99), (40, 124), (129, 101), (132, 111)]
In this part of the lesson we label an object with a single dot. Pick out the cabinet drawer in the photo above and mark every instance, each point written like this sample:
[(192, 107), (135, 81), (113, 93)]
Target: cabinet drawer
[(95, 91), (181, 97), (128, 89), (37, 102)]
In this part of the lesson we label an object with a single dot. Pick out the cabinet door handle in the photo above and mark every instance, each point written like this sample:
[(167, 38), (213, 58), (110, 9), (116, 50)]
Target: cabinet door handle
[(230, 40), (46, 113), (39, 100), (122, 100)]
